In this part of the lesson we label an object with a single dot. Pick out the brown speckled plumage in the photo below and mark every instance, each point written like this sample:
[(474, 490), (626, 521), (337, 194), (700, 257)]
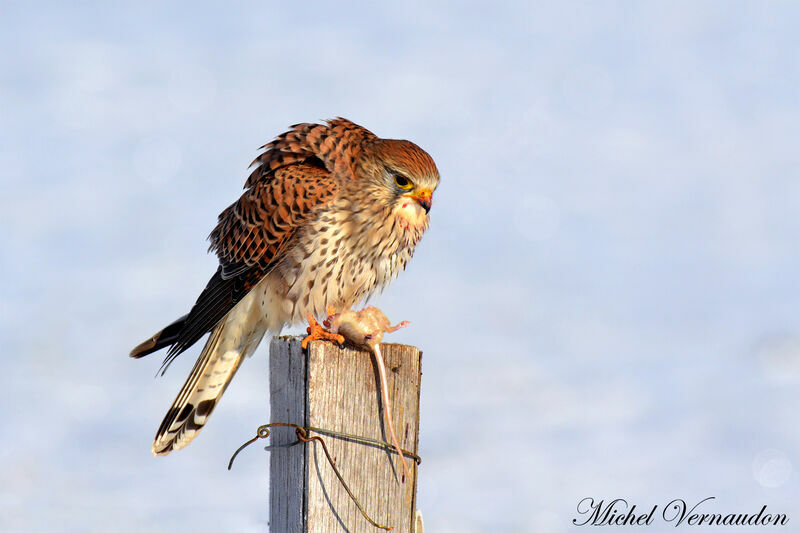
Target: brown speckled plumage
[(330, 214)]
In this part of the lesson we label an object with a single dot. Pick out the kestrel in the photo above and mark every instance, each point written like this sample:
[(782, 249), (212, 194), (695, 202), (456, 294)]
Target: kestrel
[(330, 214)]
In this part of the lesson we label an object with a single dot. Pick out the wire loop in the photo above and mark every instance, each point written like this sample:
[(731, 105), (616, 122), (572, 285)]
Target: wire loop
[(302, 433)]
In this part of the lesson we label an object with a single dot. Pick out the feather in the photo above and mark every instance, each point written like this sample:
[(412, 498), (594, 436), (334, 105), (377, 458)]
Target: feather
[(235, 337), (162, 339)]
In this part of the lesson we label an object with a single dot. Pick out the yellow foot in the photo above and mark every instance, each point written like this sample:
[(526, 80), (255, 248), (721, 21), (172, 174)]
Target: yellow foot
[(315, 332)]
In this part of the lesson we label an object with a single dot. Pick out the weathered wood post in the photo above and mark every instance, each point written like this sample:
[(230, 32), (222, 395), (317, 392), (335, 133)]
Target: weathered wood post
[(337, 389)]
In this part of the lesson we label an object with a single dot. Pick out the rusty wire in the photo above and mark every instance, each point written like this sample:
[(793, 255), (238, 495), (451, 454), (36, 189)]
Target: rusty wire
[(302, 433)]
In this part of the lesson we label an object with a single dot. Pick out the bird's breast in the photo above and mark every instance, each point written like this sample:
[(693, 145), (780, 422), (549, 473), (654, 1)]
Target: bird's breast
[(342, 258)]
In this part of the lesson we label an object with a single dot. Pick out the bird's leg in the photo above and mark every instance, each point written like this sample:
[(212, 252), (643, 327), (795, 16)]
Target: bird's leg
[(316, 331), (331, 312)]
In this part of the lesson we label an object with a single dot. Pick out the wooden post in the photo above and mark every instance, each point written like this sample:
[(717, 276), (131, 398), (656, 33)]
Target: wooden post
[(337, 389)]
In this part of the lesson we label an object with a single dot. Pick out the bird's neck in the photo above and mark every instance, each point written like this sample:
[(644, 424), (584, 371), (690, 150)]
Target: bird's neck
[(410, 221)]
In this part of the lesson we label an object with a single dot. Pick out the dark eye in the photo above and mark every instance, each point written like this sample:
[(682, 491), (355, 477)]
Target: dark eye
[(402, 181)]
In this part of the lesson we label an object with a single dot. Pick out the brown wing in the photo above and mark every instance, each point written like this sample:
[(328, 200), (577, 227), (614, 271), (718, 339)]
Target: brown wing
[(251, 236), (297, 172), (253, 232)]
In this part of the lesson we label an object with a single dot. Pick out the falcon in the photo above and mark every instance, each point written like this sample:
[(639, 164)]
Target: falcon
[(330, 214)]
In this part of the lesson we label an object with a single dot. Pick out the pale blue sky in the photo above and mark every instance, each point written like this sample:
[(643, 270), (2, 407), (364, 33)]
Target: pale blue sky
[(607, 298)]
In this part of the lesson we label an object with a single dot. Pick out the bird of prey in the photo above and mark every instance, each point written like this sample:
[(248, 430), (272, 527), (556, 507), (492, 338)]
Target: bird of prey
[(330, 214)]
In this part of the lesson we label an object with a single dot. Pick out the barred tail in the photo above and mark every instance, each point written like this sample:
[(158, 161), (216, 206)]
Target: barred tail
[(230, 341)]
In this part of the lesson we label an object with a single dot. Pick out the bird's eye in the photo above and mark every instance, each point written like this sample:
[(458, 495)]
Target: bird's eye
[(402, 181)]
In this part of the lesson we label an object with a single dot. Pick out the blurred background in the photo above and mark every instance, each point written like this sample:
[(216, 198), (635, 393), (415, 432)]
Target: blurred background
[(606, 300)]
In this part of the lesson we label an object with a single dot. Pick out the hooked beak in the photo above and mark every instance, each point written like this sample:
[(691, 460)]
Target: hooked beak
[(423, 198)]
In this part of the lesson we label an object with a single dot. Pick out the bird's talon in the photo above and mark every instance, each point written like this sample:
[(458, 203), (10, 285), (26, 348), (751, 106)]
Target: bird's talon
[(317, 332)]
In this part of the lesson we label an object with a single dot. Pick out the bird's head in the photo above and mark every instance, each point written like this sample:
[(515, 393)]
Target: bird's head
[(403, 178)]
